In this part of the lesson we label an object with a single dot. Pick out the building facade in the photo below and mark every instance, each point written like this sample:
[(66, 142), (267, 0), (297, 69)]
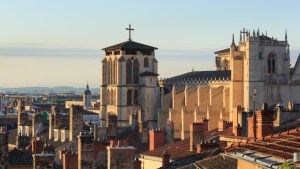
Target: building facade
[(129, 83)]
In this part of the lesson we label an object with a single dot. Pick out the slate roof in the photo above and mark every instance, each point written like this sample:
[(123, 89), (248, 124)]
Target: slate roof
[(147, 73), (226, 50), (130, 45), (203, 75), (287, 126), (263, 37), (86, 112), (17, 157)]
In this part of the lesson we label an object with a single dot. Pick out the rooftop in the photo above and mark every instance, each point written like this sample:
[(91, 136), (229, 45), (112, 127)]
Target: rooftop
[(276, 147), (203, 75), (181, 149), (17, 157), (130, 45)]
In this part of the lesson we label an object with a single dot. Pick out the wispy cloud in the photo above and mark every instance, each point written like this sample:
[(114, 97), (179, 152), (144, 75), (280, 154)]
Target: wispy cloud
[(42, 50)]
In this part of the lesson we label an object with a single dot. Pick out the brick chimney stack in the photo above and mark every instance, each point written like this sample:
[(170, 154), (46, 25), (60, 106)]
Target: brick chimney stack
[(156, 139), (70, 160), (264, 121), (205, 121), (37, 146), (165, 158), (196, 134), (222, 125), (169, 132), (137, 163), (120, 156), (237, 120)]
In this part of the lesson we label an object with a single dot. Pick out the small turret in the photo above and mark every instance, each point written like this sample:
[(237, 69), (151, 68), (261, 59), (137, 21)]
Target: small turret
[(286, 38), (232, 43)]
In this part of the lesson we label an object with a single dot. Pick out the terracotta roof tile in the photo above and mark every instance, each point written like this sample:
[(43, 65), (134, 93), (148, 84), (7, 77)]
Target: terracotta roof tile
[(181, 149), (281, 146)]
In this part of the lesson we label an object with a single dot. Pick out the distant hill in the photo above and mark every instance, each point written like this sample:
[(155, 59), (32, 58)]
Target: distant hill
[(44, 90)]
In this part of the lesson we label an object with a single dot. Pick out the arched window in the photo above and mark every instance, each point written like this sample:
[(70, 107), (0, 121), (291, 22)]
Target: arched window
[(115, 76), (146, 62), (112, 97), (104, 73), (135, 71), (136, 97), (129, 72), (129, 97), (271, 63), (225, 65), (111, 71), (108, 71)]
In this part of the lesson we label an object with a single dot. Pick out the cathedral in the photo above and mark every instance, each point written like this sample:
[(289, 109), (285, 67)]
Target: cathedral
[(254, 71)]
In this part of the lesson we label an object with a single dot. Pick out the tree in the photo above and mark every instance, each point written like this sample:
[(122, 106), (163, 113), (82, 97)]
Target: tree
[(287, 166)]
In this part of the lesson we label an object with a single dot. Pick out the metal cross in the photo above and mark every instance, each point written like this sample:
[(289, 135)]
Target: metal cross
[(129, 29), (243, 32)]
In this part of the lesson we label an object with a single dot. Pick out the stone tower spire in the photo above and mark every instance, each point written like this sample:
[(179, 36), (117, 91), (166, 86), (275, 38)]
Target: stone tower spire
[(232, 43), (286, 37)]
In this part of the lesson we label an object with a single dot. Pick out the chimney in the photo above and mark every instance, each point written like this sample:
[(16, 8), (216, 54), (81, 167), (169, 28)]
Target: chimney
[(204, 146), (95, 132), (264, 121), (156, 139), (237, 130), (165, 158), (222, 125), (196, 134), (137, 163), (37, 146), (170, 132), (237, 119), (251, 127), (204, 120), (70, 161)]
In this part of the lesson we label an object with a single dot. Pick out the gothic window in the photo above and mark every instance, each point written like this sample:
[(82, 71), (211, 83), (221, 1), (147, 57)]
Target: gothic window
[(112, 72), (129, 96), (129, 72), (146, 62), (108, 72), (225, 65), (104, 73), (136, 97), (112, 97), (115, 67), (135, 71), (271, 63)]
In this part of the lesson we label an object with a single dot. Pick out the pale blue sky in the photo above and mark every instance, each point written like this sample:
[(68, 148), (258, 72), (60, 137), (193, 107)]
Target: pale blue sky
[(54, 43)]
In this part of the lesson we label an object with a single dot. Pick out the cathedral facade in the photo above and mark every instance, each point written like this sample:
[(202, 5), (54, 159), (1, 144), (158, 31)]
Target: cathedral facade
[(255, 71)]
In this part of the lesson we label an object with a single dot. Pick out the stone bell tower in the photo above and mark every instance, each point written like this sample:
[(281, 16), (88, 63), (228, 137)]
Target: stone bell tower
[(129, 83)]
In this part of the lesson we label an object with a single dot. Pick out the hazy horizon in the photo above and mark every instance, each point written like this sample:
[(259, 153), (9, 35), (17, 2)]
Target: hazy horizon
[(59, 43)]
